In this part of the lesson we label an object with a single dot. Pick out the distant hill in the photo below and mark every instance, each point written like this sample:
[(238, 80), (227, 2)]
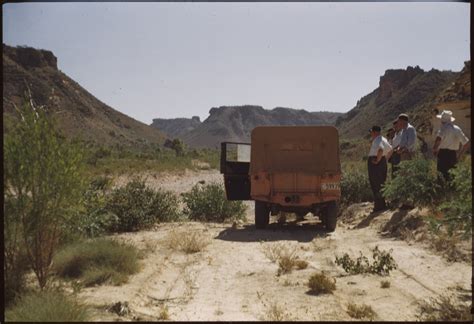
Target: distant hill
[(176, 127), (235, 123), (78, 112)]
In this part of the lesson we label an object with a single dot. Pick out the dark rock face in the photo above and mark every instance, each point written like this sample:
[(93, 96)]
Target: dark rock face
[(394, 80), (28, 57)]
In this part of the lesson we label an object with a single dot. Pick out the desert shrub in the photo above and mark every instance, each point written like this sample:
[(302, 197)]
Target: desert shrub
[(320, 283), (15, 263), (415, 184), (385, 284), (209, 203), (176, 145), (139, 207), (93, 219), (457, 208), (97, 261), (42, 183), (360, 311), (444, 309), (355, 185), (187, 242), (47, 306), (382, 264)]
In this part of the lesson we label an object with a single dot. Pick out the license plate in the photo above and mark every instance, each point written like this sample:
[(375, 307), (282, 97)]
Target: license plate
[(330, 186)]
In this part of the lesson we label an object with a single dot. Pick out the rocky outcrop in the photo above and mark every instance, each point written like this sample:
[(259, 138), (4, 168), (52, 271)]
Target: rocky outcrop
[(28, 57), (176, 127), (400, 91), (394, 80)]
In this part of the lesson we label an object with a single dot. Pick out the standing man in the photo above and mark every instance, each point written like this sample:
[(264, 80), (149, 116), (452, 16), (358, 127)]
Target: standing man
[(377, 166), (406, 148), (449, 145), (394, 156)]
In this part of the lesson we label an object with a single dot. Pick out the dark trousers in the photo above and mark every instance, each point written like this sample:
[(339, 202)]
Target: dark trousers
[(377, 177), (446, 161)]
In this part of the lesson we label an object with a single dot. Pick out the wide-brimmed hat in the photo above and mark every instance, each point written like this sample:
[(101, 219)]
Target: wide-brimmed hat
[(446, 116)]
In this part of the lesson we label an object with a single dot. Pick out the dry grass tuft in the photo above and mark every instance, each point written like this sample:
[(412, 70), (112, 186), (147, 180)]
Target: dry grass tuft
[(448, 246), (164, 315), (286, 257), (188, 242), (301, 264), (385, 284), (276, 313), (360, 311), (320, 283)]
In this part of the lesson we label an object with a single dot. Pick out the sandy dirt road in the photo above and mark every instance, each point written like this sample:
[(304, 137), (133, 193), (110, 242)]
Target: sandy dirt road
[(232, 279)]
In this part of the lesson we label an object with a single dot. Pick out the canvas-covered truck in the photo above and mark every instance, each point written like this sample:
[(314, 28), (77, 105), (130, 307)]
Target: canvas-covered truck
[(292, 169)]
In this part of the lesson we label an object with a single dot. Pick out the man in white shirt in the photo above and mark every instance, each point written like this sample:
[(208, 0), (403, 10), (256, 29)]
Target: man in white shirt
[(377, 166), (449, 145), (406, 147)]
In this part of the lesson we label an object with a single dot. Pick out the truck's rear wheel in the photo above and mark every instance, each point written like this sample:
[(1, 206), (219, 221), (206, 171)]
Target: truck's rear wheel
[(262, 215), (329, 216)]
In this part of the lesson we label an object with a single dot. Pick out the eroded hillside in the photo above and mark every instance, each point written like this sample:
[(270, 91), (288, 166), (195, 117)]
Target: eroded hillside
[(78, 112)]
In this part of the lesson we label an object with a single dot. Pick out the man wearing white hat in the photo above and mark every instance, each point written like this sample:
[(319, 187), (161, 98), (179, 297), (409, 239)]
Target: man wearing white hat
[(450, 143)]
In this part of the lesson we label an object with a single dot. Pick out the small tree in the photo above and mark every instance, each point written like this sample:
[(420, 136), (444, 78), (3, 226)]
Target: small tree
[(42, 185)]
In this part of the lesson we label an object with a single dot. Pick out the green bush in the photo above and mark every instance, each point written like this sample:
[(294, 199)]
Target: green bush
[(139, 207), (47, 306), (93, 219), (209, 203), (42, 184), (415, 184), (457, 208), (382, 264), (355, 185), (97, 261)]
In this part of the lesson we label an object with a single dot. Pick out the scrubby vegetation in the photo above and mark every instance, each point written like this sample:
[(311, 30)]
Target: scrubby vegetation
[(415, 184), (42, 185), (320, 283), (115, 160), (139, 207), (96, 262), (360, 311), (188, 242), (355, 187), (382, 264), (444, 309), (286, 257), (47, 306), (209, 203)]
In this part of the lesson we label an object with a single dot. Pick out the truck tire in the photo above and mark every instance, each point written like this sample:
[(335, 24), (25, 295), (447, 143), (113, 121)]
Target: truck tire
[(262, 215), (329, 218)]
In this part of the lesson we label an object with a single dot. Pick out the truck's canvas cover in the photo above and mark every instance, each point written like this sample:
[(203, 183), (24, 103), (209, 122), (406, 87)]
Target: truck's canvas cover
[(307, 149)]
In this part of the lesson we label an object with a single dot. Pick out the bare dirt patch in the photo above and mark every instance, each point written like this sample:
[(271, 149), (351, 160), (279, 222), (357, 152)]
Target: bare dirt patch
[(231, 278)]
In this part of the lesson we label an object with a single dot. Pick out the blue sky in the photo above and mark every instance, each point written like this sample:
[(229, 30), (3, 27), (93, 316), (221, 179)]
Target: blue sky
[(169, 60)]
